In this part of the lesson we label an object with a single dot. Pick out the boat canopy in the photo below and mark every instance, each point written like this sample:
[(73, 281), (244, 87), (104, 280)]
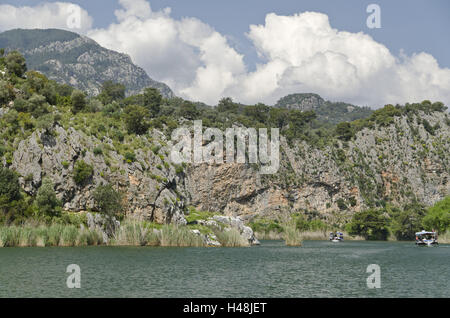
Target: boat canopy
[(426, 233)]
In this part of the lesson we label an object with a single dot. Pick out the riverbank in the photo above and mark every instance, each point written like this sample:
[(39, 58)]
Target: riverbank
[(130, 234), (305, 236), (90, 229)]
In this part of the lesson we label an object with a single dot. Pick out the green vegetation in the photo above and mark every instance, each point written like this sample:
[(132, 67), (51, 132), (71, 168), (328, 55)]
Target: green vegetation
[(78, 101), (438, 216), (82, 172), (47, 203), (15, 64), (109, 203), (292, 235), (371, 224)]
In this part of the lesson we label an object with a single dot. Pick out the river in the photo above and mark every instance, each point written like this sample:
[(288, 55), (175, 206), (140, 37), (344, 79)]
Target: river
[(317, 269)]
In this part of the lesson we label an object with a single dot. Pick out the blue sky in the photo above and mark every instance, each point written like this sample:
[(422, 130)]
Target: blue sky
[(239, 49)]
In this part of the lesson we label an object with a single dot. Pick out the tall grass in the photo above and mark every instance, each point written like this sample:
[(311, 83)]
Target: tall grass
[(292, 235), (135, 233), (130, 233), (44, 235), (272, 235), (231, 238), (444, 238), (172, 235)]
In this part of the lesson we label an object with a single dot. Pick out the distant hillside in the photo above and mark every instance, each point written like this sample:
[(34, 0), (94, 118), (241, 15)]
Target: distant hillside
[(69, 58), (329, 112)]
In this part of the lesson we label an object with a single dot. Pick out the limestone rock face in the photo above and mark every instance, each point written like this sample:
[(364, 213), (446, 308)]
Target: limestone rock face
[(400, 163), (149, 192)]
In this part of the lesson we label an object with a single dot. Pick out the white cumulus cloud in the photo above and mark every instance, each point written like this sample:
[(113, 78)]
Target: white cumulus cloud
[(61, 15), (305, 54), (187, 54)]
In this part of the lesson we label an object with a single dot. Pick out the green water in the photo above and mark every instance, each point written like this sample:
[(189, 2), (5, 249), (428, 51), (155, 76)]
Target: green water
[(318, 269)]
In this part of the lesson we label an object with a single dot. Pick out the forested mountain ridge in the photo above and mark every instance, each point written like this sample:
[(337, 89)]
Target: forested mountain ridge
[(69, 58), (326, 111)]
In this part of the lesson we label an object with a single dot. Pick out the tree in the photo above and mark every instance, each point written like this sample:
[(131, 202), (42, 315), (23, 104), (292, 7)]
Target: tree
[(15, 63), (78, 101), (152, 100), (37, 105), (136, 119), (406, 222), (82, 172), (6, 92), (46, 122), (188, 110), (9, 185), (344, 131), (108, 202), (226, 105), (11, 203), (371, 224), (111, 92), (46, 200), (438, 216)]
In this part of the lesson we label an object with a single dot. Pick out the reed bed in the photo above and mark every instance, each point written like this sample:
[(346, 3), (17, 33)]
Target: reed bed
[(130, 233), (444, 238), (231, 238), (179, 236), (272, 235), (292, 235), (52, 235), (135, 233)]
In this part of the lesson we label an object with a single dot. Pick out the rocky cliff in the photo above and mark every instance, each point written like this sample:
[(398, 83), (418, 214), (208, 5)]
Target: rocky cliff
[(398, 163)]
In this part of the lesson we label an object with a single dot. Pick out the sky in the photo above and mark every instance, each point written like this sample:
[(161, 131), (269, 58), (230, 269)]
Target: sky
[(261, 50)]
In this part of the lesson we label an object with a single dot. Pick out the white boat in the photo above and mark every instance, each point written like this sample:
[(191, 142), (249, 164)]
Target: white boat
[(336, 237), (425, 238)]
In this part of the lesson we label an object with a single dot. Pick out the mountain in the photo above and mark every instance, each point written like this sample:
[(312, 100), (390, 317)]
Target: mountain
[(69, 58), (326, 111)]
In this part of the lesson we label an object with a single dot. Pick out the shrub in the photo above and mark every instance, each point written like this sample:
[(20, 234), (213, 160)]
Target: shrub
[(341, 204), (111, 92), (82, 172), (15, 63), (136, 119), (98, 151), (46, 200), (78, 101), (108, 202), (152, 100), (130, 157), (9, 186)]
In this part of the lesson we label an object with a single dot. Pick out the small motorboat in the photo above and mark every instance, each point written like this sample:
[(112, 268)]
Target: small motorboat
[(425, 238), (336, 237)]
